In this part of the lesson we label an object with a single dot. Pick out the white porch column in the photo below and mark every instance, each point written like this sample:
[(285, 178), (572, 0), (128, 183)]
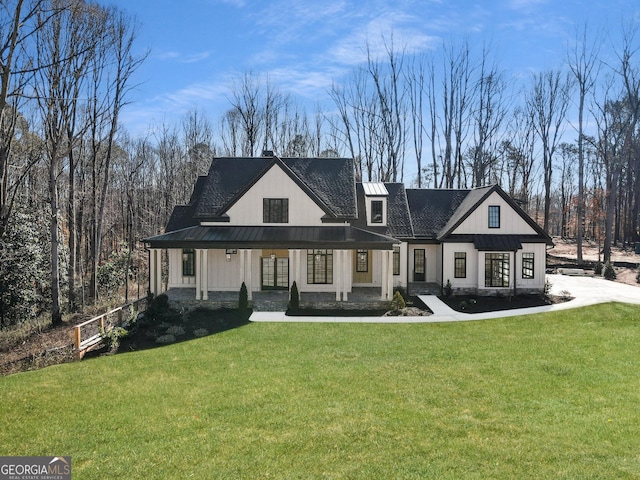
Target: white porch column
[(385, 272), (383, 280), (205, 274), (242, 269), (337, 272), (198, 274), (299, 268), (390, 272), (248, 281), (155, 271), (292, 267), (345, 275)]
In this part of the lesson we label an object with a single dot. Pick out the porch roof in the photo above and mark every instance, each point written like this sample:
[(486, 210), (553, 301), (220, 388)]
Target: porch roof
[(227, 236)]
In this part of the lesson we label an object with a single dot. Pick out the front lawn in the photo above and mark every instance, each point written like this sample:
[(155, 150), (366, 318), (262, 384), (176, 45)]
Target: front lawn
[(544, 396)]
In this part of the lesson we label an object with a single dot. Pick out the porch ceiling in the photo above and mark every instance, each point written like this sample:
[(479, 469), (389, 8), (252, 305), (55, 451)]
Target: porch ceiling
[(227, 236)]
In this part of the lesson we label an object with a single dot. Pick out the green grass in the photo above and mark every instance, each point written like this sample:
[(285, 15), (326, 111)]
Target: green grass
[(546, 396)]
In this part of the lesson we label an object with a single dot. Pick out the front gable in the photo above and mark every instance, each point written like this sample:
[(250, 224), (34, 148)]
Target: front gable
[(275, 184), (505, 220)]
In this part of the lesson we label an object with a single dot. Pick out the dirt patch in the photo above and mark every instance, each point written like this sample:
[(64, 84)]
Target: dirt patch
[(48, 346), (565, 252)]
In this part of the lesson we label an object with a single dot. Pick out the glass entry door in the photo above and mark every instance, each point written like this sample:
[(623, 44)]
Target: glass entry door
[(275, 273), (419, 265)]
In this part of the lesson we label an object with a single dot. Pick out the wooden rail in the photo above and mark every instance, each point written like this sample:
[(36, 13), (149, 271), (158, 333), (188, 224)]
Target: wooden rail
[(88, 334)]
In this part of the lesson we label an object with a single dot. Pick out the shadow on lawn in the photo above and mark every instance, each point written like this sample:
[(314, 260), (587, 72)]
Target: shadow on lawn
[(172, 326)]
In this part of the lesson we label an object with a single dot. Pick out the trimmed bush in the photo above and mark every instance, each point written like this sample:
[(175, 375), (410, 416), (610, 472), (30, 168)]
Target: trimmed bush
[(243, 300), (294, 301), (398, 303)]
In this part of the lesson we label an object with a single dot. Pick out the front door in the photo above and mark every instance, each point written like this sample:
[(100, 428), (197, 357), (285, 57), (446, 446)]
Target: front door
[(419, 265), (275, 273)]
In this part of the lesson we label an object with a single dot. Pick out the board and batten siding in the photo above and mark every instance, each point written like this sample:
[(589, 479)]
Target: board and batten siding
[(432, 262), (275, 184), (511, 223), (470, 281), (222, 275)]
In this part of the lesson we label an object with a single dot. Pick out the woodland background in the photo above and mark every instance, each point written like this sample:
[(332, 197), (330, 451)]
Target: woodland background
[(78, 192)]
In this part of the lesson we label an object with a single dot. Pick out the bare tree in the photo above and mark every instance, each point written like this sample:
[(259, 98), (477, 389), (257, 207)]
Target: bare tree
[(583, 61), (488, 113), (548, 102)]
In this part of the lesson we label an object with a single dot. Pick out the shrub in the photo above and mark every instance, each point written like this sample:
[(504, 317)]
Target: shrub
[(547, 288), (166, 339), (609, 272), (243, 300), (638, 275), (158, 307), (111, 338), (597, 268), (175, 330), (294, 301), (201, 332), (447, 290), (397, 302)]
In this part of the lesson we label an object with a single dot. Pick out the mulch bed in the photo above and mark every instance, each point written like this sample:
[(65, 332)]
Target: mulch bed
[(482, 304)]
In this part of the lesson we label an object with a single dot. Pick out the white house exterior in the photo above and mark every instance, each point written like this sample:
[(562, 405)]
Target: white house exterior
[(268, 222)]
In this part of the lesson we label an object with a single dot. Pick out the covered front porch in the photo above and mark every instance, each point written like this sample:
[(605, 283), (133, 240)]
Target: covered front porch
[(210, 263), (361, 298)]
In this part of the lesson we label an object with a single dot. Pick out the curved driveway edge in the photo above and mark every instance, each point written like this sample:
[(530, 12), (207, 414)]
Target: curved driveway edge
[(585, 290)]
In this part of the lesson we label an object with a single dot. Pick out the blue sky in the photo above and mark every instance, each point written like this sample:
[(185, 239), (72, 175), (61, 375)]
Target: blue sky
[(197, 47)]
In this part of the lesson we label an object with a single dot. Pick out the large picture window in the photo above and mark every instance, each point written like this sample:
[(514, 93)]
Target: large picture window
[(319, 266), (275, 210), (494, 216), (460, 265), (496, 270), (188, 262), (527, 265)]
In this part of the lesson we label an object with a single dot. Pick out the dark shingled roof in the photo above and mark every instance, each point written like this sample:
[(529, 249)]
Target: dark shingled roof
[(432, 209), (398, 218), (330, 181)]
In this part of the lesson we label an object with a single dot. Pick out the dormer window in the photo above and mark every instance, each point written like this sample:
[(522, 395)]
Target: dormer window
[(275, 210), (376, 199), (376, 211)]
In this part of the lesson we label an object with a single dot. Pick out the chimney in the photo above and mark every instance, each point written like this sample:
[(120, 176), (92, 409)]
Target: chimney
[(267, 153)]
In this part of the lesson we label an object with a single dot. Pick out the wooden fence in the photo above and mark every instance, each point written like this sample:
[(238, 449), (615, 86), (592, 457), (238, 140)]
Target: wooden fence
[(88, 334)]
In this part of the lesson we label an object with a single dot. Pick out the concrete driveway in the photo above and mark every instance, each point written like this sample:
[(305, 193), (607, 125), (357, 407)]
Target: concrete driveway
[(585, 290)]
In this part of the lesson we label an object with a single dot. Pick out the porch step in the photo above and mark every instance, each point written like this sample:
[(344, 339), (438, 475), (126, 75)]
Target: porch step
[(424, 288)]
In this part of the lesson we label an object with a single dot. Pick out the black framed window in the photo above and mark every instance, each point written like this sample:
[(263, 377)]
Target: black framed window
[(494, 216), (527, 264), (319, 266), (460, 265), (188, 262), (376, 211), (362, 261), (496, 270), (396, 260), (275, 210)]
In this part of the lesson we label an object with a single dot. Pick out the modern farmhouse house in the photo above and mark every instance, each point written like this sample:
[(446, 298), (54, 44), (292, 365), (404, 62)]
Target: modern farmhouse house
[(270, 221)]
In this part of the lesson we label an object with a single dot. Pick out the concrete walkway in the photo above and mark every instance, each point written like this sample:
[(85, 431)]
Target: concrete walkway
[(585, 290)]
